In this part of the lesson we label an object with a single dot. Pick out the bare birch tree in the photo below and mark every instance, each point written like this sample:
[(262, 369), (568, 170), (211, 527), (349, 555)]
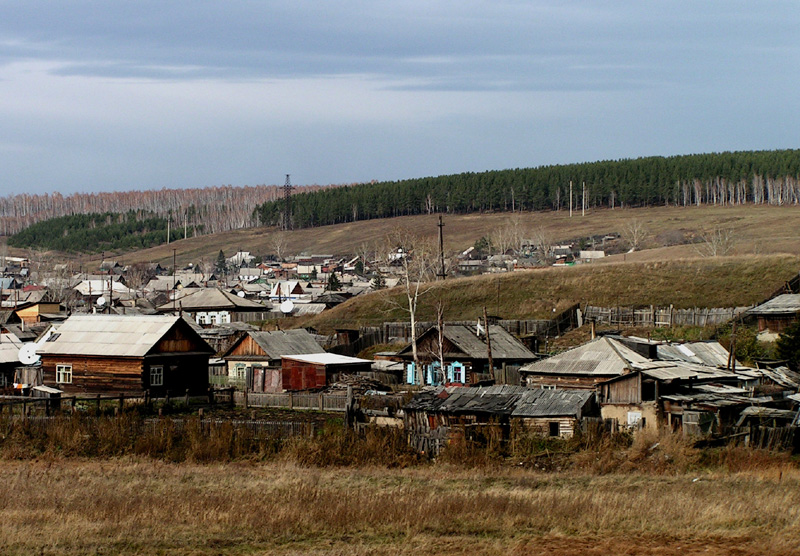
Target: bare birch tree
[(415, 258), (716, 242), (634, 233)]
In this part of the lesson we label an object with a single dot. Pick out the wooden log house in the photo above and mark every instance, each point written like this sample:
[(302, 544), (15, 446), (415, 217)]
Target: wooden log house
[(126, 354)]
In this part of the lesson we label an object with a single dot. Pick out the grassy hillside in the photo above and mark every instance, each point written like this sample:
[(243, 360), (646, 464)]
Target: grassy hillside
[(758, 230), (709, 282)]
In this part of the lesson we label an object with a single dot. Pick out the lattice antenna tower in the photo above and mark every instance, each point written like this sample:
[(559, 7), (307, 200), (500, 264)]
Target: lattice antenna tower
[(287, 200)]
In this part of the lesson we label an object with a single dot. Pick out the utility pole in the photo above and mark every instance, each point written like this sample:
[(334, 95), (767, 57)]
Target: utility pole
[(174, 293), (442, 274), (570, 198), (488, 340), (169, 221), (583, 199)]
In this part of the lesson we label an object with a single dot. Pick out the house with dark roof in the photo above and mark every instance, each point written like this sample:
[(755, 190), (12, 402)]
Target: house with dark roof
[(465, 350), (776, 315)]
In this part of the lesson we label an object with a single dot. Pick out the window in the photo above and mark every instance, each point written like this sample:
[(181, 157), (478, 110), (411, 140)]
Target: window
[(241, 371), (554, 428), (157, 375), (63, 374)]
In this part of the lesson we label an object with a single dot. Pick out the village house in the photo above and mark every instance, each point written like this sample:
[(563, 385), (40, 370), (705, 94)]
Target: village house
[(210, 306), (465, 349), (125, 354), (582, 367), (313, 371)]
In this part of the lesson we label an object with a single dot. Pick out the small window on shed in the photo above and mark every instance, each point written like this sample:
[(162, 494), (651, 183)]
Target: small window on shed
[(555, 429)]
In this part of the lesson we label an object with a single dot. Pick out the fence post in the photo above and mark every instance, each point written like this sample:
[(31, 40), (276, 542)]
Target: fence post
[(186, 398), (245, 399), (291, 400), (321, 401)]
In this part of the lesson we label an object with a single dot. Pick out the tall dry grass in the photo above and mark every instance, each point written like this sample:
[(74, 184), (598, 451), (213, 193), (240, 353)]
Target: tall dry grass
[(130, 506)]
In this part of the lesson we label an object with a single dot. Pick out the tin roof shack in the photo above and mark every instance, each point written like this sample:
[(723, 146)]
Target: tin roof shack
[(254, 361), (125, 354), (554, 413), (776, 315), (487, 414), (313, 371), (466, 354), (582, 367)]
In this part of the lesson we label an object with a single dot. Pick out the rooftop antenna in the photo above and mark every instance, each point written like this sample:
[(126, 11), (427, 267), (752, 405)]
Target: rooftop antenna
[(442, 274), (287, 200)]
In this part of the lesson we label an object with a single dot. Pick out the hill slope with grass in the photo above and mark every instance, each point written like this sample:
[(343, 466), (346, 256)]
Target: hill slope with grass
[(533, 294)]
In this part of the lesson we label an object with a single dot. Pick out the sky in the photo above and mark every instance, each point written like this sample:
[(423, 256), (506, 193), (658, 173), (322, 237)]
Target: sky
[(115, 96)]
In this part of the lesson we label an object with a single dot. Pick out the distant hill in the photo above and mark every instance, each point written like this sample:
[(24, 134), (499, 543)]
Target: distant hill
[(729, 178)]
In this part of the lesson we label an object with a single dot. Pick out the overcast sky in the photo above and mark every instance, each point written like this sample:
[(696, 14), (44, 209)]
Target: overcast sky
[(101, 96)]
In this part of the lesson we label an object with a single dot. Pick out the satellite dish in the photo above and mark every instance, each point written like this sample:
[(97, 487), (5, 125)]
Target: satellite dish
[(27, 354), (286, 307), (240, 294), (101, 301)]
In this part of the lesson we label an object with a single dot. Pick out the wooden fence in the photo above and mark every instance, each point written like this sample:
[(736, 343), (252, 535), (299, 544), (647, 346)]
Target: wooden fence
[(657, 317), (766, 438), (292, 400)]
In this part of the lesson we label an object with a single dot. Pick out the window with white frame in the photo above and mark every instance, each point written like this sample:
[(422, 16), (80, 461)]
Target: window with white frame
[(63, 374), (156, 375), (241, 371)]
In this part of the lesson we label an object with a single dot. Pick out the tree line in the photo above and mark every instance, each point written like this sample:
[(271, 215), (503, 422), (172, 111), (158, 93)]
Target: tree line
[(96, 232), (762, 177)]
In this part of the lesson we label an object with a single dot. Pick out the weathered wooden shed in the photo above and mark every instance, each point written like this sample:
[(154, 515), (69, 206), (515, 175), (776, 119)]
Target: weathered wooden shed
[(257, 356), (777, 314), (553, 412), (125, 354), (313, 371)]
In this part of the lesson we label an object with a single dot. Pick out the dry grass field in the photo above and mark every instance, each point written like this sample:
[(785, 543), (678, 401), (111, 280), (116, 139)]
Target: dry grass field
[(137, 507), (759, 230)]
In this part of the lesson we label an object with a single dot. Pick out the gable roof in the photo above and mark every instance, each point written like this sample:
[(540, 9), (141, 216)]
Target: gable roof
[(112, 335), (600, 357), (213, 299), (282, 342), (466, 339)]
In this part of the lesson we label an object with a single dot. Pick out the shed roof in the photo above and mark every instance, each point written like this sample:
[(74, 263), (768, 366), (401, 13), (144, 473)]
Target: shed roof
[(110, 335), (600, 357), (327, 359), (9, 348), (283, 342), (784, 304)]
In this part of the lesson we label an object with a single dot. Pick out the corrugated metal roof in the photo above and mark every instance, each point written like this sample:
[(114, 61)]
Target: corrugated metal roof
[(212, 299), (286, 342), (108, 335), (784, 304), (9, 348), (600, 357), (326, 359), (552, 403), (703, 353)]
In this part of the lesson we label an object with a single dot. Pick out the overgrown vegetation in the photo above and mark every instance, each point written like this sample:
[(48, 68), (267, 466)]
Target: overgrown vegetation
[(96, 232)]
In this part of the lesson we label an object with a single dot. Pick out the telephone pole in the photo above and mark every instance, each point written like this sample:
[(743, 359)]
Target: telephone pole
[(442, 273)]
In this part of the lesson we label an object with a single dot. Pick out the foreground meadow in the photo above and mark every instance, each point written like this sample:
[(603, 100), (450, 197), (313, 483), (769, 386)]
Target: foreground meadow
[(142, 506)]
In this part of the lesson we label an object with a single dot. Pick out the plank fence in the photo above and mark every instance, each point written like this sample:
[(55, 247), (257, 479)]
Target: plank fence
[(292, 400), (658, 317)]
